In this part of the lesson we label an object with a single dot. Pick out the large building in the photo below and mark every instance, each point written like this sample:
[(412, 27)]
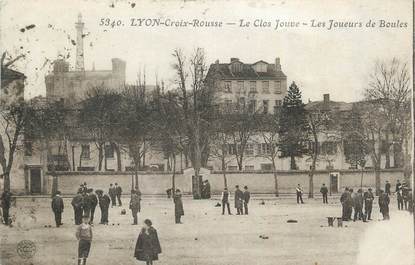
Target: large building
[(73, 85), (260, 86)]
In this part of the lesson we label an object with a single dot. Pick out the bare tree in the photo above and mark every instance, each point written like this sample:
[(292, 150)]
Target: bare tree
[(389, 91), (195, 106)]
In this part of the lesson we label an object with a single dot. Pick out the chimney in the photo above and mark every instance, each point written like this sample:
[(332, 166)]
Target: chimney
[(277, 64), (234, 60), (326, 98)]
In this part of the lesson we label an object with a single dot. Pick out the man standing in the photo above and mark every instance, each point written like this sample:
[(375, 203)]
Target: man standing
[(368, 198), (405, 194), (57, 208), (6, 199), (77, 204), (358, 205), (104, 203), (398, 186), (92, 204), (324, 191), (178, 206), (246, 197), (134, 205), (111, 193), (225, 201), (206, 190), (238, 200), (299, 191), (118, 192), (384, 204), (388, 188), (399, 197), (350, 204)]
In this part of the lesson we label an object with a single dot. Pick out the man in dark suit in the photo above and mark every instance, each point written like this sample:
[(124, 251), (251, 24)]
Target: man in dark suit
[(368, 198), (92, 202), (104, 203), (384, 204), (78, 204), (57, 208), (324, 191), (388, 188), (246, 198), (118, 192), (111, 193), (239, 196), (135, 205)]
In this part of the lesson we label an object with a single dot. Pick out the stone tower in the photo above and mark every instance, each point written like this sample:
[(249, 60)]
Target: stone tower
[(79, 66)]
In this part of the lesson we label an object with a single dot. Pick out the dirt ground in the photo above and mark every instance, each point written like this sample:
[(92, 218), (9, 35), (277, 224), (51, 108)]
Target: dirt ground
[(207, 237)]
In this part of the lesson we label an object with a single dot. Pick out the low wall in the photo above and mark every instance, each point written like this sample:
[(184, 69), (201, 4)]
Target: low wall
[(258, 182)]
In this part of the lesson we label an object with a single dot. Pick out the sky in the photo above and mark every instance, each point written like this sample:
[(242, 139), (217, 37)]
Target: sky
[(337, 61)]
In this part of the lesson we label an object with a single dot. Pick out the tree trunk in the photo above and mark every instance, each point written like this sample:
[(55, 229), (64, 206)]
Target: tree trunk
[(118, 153), (293, 165), (100, 157), (377, 178), (274, 171), (387, 153), (225, 181)]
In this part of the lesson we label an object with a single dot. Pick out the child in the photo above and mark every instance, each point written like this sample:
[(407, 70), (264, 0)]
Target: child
[(148, 245), (178, 206), (84, 235)]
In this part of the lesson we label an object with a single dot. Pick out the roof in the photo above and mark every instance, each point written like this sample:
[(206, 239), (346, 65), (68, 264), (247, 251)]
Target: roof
[(331, 105), (248, 73), (8, 75)]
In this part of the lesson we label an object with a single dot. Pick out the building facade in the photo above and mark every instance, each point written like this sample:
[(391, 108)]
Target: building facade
[(73, 86)]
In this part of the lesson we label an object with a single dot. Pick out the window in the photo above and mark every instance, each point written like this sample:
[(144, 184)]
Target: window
[(231, 149), (228, 86), (232, 168), (241, 103), (277, 87), (85, 151), (328, 148), (264, 149), (266, 167), (277, 106), (249, 167), (228, 104), (241, 87), (265, 87), (252, 86), (109, 151), (252, 105), (265, 105), (249, 149), (28, 148)]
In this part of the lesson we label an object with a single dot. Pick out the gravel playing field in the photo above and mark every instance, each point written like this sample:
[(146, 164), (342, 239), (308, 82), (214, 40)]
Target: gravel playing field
[(207, 237)]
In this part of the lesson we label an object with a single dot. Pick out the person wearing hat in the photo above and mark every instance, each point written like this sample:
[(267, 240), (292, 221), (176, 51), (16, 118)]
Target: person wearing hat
[(118, 193), (148, 246), (111, 193), (368, 199), (57, 208), (324, 191), (384, 204), (92, 201), (104, 203), (84, 236), (77, 204), (239, 197), (246, 198), (358, 205), (135, 205), (225, 201), (178, 206)]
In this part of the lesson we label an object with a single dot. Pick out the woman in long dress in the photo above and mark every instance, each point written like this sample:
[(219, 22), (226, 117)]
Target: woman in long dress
[(148, 246)]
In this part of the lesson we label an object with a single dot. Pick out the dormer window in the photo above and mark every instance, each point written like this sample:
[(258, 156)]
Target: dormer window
[(236, 67)]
